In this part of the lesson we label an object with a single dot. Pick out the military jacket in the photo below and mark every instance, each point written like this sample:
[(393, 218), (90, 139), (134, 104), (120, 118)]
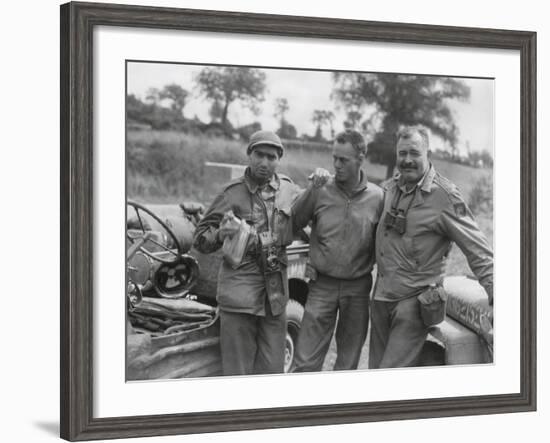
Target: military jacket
[(436, 216), (243, 289), (343, 227)]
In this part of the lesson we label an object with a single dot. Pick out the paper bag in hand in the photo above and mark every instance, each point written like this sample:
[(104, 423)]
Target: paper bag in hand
[(234, 248)]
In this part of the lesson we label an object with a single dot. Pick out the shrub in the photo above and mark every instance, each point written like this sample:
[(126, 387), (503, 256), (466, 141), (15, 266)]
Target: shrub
[(481, 195)]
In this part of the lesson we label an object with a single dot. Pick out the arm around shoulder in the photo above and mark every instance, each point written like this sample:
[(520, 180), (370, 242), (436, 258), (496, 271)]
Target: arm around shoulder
[(303, 207)]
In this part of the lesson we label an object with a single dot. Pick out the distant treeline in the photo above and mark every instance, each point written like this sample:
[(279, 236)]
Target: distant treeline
[(143, 116), (151, 116)]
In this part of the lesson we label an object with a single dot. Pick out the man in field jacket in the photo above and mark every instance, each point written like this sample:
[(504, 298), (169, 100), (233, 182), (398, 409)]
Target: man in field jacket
[(344, 214), (253, 322), (423, 214)]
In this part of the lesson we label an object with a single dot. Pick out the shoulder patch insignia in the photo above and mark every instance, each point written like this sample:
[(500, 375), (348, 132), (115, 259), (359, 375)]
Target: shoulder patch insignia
[(460, 209)]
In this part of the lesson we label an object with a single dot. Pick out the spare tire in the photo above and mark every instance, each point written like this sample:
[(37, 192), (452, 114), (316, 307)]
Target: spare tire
[(294, 315)]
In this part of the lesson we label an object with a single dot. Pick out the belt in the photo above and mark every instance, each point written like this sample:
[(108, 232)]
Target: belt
[(367, 276)]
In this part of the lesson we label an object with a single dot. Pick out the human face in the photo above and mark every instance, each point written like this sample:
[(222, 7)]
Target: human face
[(347, 163), (412, 158), (263, 161)]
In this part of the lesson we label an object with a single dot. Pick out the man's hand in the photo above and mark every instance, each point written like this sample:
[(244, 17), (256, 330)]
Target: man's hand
[(229, 226), (320, 177)]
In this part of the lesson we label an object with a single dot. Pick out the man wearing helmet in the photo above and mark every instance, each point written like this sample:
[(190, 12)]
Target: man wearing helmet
[(252, 294)]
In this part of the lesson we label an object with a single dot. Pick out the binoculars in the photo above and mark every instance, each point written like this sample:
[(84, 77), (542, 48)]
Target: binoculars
[(395, 219)]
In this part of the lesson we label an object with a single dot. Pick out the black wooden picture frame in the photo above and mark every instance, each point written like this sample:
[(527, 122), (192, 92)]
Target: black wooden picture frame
[(77, 216)]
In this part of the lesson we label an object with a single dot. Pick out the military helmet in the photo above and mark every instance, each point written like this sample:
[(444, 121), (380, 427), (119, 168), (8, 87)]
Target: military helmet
[(265, 138)]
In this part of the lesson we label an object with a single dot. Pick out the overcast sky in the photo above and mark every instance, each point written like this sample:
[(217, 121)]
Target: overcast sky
[(305, 92)]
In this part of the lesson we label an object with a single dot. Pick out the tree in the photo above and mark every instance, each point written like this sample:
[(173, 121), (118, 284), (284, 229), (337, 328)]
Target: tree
[(318, 119), (226, 85), (486, 158), (321, 118), (135, 108), (329, 118), (281, 108), (286, 130), (216, 111), (353, 119), (151, 113), (176, 95), (152, 96), (400, 99), (247, 130)]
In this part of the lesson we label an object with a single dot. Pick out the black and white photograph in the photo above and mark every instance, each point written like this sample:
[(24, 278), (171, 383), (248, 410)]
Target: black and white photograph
[(288, 219), (300, 220)]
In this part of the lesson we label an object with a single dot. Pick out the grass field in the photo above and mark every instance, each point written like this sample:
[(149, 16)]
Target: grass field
[(168, 166)]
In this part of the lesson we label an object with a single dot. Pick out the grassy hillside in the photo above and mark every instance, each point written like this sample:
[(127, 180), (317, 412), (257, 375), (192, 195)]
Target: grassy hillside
[(168, 166)]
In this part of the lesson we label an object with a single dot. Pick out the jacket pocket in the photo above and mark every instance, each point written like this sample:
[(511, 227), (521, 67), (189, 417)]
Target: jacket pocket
[(284, 225)]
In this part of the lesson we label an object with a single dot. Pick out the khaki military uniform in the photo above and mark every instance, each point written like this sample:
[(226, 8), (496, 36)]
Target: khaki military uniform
[(253, 326), (342, 255), (436, 215)]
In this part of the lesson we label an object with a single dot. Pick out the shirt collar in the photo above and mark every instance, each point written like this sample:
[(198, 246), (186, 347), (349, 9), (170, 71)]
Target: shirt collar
[(363, 182), (427, 180), (425, 183), (361, 185), (253, 186)]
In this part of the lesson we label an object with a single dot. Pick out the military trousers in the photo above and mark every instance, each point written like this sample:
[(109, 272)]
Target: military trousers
[(397, 333), (252, 344), (333, 303)]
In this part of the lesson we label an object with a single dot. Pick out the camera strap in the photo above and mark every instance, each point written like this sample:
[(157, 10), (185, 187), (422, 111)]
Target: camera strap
[(397, 199), (273, 275), (275, 292)]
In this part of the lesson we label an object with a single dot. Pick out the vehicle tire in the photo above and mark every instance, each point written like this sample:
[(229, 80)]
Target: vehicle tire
[(433, 353), (294, 315)]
